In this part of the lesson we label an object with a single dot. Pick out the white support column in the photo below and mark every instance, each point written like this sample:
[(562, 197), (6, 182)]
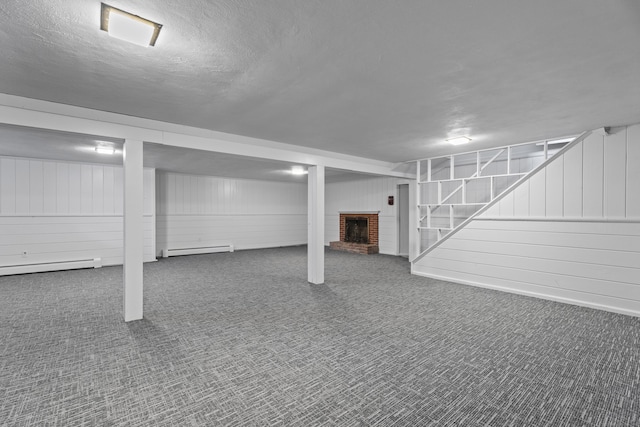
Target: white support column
[(133, 229), (414, 218), (315, 225)]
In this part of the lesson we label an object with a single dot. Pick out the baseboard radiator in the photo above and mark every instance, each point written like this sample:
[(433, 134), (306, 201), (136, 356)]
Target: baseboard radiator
[(39, 267), (167, 252)]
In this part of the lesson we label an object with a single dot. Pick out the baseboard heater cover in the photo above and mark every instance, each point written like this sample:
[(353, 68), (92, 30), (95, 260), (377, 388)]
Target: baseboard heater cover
[(195, 251), (50, 266)]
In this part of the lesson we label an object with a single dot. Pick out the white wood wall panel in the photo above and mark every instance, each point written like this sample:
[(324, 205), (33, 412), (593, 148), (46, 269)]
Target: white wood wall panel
[(108, 190), (615, 172), (86, 189), (633, 172), (75, 187), (583, 249), (537, 194), (36, 188), (60, 211), (7, 185), (506, 205), (572, 183), (535, 256), (368, 194), (62, 188), (50, 196), (521, 200), (485, 277), (593, 176), (197, 211), (22, 185), (554, 182)]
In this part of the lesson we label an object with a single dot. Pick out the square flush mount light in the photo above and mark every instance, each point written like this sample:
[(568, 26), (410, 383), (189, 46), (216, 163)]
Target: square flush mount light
[(126, 26), (460, 140)]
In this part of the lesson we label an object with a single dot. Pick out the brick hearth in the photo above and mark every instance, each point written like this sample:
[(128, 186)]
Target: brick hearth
[(359, 248)]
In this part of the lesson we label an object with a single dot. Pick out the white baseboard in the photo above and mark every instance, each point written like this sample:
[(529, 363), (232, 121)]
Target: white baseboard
[(548, 297), (167, 252), (50, 266)]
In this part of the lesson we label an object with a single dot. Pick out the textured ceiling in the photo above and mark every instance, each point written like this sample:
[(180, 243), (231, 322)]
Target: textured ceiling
[(382, 79)]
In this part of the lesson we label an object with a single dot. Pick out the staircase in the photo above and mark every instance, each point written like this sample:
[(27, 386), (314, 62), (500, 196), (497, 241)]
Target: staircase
[(452, 190)]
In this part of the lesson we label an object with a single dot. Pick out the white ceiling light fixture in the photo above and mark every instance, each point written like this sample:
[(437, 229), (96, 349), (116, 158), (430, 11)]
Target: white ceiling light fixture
[(560, 141), (103, 149), (127, 26), (298, 170), (460, 140)]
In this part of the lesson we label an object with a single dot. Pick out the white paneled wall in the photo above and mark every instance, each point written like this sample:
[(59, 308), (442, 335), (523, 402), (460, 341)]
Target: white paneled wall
[(364, 195), (571, 233), (54, 211), (197, 211)]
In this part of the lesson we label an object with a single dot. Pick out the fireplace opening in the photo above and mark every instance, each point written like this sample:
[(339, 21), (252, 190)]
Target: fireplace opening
[(356, 230)]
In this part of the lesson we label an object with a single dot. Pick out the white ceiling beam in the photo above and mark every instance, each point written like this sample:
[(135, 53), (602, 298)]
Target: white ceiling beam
[(35, 113)]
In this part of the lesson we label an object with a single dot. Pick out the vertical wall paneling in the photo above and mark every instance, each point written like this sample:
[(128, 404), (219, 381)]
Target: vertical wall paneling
[(97, 193), (245, 213), (615, 165), (86, 189), (49, 190), (36, 187), (633, 172), (506, 205), (55, 223), (22, 186), (572, 188), (118, 191), (537, 196), (554, 189), (108, 193), (521, 200), (593, 176), (62, 188), (75, 188), (7, 186), (149, 184)]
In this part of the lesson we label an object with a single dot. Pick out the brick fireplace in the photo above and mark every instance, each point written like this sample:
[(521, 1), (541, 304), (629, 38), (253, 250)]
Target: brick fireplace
[(358, 233)]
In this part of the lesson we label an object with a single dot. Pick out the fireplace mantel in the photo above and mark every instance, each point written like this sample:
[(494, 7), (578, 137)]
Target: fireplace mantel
[(359, 212)]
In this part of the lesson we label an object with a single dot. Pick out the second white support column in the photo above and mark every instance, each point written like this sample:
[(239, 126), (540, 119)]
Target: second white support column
[(315, 225), (133, 226)]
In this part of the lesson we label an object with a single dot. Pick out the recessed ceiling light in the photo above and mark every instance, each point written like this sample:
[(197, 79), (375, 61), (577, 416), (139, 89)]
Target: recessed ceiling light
[(298, 170), (127, 26), (101, 149), (556, 141), (460, 140)]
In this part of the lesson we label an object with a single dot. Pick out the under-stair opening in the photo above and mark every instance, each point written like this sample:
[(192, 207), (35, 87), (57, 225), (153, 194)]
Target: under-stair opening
[(452, 189)]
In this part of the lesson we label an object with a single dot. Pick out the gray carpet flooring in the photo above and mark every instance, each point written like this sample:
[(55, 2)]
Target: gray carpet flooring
[(241, 339)]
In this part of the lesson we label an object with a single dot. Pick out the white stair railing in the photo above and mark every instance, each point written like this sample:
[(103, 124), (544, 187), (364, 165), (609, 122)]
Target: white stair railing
[(453, 189)]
